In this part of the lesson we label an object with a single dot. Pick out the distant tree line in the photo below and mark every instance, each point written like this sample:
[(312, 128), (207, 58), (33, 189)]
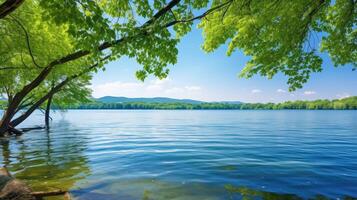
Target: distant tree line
[(50, 49), (337, 104)]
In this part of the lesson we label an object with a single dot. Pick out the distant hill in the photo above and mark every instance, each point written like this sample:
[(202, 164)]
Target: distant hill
[(112, 99), (188, 104), (230, 102)]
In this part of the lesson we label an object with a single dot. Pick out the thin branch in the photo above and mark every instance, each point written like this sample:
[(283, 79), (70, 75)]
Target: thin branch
[(53, 90), (106, 45), (25, 103), (225, 11), (161, 12), (27, 40), (308, 18), (209, 11), (79, 54), (173, 14), (23, 106), (12, 68), (8, 93), (42, 110)]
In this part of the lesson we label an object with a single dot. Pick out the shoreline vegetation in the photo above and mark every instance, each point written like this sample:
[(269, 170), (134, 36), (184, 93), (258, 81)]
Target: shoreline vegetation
[(51, 50), (349, 103)]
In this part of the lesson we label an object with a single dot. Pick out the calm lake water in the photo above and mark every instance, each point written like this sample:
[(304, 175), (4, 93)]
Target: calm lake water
[(184, 155)]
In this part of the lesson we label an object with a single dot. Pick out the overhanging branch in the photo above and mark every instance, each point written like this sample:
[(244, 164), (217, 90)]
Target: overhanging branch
[(9, 6), (209, 11), (27, 37), (53, 90)]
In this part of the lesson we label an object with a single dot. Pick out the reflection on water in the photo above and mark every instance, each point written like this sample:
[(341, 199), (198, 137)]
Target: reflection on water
[(190, 155), (46, 164)]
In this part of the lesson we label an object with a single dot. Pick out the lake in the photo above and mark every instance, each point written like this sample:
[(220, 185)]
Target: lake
[(189, 155)]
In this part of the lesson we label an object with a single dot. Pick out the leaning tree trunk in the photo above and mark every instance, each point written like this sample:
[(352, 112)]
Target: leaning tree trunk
[(9, 113), (13, 4), (53, 91), (6, 118), (47, 112), (37, 104)]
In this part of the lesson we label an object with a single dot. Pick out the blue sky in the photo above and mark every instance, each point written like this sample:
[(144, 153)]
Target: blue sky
[(214, 77)]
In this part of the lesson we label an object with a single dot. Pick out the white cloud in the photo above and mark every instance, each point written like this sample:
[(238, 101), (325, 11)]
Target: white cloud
[(193, 88), (343, 95), (309, 92), (184, 92), (255, 91), (174, 90), (161, 81), (116, 88), (280, 91), (158, 84), (154, 88)]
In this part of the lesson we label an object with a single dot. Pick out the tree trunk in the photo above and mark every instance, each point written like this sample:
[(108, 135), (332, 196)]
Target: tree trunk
[(7, 116), (53, 91), (47, 112), (17, 99), (36, 105), (10, 112)]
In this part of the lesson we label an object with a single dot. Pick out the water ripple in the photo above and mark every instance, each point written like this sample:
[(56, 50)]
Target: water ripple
[(190, 154)]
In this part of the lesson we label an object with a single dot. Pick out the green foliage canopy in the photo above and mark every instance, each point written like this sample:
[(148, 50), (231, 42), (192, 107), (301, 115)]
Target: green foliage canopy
[(131, 28), (49, 42), (27, 44), (322, 104), (285, 36)]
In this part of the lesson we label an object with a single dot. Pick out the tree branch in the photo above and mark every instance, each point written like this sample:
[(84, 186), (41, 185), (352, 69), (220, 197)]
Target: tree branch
[(53, 90), (309, 16), (162, 12), (209, 11), (9, 6), (70, 57), (11, 68), (81, 53), (27, 40)]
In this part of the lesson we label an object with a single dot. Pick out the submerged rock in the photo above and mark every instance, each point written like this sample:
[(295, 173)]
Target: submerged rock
[(13, 189)]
